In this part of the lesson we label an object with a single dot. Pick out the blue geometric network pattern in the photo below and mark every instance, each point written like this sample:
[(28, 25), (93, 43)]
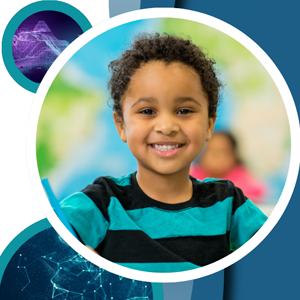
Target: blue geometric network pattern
[(45, 267)]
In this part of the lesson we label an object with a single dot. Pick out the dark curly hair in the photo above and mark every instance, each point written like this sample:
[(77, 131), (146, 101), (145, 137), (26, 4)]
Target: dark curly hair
[(167, 48)]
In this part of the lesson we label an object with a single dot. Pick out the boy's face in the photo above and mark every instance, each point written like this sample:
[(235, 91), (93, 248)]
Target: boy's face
[(165, 117)]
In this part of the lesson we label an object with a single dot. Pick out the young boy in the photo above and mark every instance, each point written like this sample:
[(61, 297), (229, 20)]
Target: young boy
[(160, 219)]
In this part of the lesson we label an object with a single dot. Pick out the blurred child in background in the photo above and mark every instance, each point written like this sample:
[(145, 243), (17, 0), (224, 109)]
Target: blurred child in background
[(220, 159)]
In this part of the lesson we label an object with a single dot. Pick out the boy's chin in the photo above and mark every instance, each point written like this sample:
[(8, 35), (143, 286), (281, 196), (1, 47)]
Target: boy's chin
[(169, 171)]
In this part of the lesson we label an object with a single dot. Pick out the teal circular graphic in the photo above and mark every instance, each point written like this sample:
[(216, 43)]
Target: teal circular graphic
[(19, 17), (40, 39), (38, 264)]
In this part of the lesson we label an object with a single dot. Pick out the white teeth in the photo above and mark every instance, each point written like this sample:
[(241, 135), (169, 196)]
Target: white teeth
[(165, 147)]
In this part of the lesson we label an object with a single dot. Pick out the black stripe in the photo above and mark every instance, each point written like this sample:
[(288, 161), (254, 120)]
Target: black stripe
[(124, 194), (218, 191), (200, 250), (134, 246), (100, 196), (239, 199)]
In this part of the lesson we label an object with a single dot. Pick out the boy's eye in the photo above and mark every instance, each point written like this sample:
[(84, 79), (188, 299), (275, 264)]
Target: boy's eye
[(184, 111), (148, 112)]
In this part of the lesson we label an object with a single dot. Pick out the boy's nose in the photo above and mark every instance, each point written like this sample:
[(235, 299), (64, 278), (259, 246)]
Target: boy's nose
[(166, 125)]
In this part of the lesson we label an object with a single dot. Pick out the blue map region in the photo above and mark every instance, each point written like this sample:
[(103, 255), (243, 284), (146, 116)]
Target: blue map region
[(45, 267), (35, 50)]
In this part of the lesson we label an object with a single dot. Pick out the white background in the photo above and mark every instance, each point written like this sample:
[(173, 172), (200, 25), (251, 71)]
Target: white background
[(18, 205)]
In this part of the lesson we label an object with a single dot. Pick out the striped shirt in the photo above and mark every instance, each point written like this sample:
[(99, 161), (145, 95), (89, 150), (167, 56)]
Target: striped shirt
[(116, 218)]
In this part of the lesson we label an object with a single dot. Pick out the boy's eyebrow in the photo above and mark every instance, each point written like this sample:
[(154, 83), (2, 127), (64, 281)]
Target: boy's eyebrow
[(187, 99), (178, 100), (144, 99)]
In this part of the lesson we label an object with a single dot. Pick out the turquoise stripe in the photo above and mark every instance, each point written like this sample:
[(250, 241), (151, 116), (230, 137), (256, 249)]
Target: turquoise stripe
[(119, 219), (161, 267), (86, 218), (122, 181), (211, 180), (158, 223), (246, 220)]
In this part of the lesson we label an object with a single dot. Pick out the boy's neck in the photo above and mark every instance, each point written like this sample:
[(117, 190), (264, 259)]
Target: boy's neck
[(171, 188)]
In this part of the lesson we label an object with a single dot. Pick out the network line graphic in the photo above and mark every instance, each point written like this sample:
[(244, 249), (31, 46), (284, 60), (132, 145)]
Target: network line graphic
[(35, 50), (45, 267)]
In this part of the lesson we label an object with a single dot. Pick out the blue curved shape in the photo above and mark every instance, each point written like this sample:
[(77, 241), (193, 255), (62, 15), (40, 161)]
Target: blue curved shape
[(179, 290), (157, 3), (117, 7), (210, 287)]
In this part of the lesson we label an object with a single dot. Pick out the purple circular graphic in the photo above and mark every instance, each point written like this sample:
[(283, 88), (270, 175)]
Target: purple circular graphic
[(40, 39)]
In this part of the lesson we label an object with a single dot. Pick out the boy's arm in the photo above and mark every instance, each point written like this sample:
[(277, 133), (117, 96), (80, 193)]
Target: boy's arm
[(86, 218), (246, 219)]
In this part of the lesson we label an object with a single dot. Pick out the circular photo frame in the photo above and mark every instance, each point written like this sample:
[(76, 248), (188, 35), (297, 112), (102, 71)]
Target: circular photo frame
[(266, 63)]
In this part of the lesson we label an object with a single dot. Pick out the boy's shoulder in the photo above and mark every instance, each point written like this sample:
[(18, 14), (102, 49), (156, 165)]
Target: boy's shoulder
[(216, 190), (105, 187), (214, 183)]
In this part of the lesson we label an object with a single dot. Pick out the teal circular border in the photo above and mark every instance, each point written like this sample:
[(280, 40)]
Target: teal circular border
[(18, 18), (19, 240)]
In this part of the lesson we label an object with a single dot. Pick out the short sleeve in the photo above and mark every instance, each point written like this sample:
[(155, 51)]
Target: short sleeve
[(86, 218), (246, 219)]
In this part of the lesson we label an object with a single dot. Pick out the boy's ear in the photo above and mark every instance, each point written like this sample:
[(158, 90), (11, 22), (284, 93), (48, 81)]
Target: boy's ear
[(120, 127), (211, 126)]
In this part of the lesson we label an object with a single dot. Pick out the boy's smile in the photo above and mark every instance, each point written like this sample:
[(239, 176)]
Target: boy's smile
[(165, 149), (165, 117)]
